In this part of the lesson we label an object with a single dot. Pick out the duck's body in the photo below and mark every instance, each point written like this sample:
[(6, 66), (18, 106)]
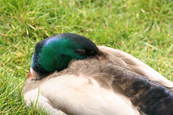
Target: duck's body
[(85, 90), (99, 85), (78, 95)]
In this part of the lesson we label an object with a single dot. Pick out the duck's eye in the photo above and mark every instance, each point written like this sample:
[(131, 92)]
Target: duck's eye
[(62, 55), (80, 51)]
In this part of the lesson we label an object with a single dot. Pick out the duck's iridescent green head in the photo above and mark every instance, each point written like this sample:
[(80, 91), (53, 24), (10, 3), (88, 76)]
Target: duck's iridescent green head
[(55, 53)]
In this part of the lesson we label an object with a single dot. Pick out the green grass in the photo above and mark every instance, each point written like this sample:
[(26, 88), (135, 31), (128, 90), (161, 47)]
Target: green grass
[(143, 28)]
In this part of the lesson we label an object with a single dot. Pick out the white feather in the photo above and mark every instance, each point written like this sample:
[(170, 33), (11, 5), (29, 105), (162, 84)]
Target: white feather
[(78, 96)]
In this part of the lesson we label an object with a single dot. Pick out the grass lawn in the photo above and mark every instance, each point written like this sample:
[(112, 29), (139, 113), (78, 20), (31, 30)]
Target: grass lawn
[(143, 28)]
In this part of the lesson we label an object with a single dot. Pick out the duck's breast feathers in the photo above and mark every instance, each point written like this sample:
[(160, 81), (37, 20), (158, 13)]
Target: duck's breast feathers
[(86, 95), (135, 65)]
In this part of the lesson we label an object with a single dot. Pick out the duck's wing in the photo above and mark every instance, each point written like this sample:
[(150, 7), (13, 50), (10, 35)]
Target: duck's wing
[(78, 95), (150, 97), (137, 66)]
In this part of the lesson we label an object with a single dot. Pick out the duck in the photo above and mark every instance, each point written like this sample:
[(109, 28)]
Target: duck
[(70, 75)]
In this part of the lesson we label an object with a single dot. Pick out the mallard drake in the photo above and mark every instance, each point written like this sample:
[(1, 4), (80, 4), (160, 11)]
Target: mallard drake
[(71, 75)]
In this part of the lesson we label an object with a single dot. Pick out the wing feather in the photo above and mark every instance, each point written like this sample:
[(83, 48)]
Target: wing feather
[(137, 66)]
